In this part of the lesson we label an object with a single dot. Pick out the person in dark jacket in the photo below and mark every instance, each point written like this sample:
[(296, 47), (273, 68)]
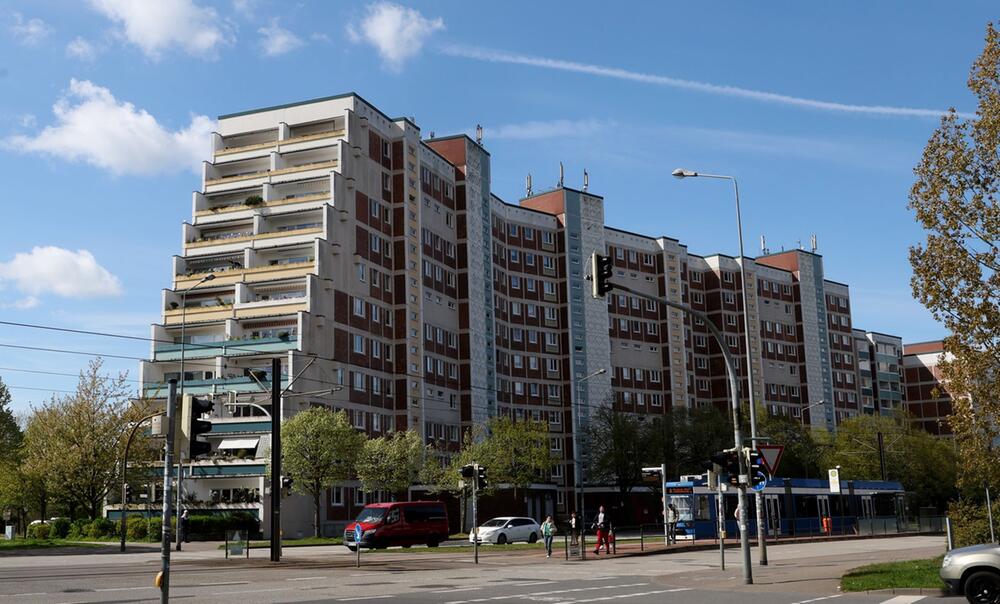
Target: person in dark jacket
[(602, 524), (184, 528)]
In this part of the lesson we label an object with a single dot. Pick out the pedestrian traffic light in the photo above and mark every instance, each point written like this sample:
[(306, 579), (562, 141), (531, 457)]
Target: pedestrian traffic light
[(286, 484), (192, 426), (601, 271), (480, 477)]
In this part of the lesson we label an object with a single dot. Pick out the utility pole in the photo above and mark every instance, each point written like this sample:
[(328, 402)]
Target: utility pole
[(276, 460), (475, 513), (881, 455), (168, 459), (720, 511)]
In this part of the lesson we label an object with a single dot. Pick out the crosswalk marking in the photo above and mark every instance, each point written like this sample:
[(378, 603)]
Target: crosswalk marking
[(818, 599), (904, 599)]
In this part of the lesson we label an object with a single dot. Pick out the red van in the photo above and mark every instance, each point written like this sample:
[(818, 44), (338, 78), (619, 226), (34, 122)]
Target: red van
[(403, 523)]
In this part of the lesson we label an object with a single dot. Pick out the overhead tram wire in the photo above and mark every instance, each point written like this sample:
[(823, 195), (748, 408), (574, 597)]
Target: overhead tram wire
[(203, 346)]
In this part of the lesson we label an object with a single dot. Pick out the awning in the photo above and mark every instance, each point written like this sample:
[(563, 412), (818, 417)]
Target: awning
[(238, 443)]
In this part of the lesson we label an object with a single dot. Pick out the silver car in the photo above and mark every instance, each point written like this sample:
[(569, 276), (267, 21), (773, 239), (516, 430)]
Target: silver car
[(975, 572)]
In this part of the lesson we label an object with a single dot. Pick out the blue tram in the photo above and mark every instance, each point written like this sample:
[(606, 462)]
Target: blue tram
[(793, 506)]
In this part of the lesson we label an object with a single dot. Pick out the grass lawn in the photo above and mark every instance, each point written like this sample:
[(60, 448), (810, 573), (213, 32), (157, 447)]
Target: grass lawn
[(16, 544), (907, 574)]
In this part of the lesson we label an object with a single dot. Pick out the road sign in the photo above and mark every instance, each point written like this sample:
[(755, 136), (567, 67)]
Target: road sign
[(770, 456), (357, 533), (760, 482), (834, 480)]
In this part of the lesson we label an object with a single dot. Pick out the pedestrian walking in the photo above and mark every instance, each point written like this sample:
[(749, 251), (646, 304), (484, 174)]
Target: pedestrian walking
[(548, 532), (672, 517), (602, 524), (574, 528)]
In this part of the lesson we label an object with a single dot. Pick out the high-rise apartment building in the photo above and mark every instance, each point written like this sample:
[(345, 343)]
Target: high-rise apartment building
[(928, 400), (393, 284)]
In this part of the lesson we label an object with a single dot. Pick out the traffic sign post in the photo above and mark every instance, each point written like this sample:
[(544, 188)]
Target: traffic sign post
[(357, 544)]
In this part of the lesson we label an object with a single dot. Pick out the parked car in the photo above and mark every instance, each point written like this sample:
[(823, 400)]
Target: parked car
[(508, 529), (975, 572), (402, 523)]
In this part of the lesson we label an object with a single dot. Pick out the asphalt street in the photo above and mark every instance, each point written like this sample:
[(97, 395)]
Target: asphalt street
[(798, 574)]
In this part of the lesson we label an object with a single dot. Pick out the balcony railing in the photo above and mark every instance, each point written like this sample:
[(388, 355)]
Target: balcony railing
[(258, 273), (267, 235), (249, 175), (287, 141), (225, 348), (238, 384), (237, 207)]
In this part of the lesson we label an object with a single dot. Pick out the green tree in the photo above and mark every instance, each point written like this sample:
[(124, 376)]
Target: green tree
[(699, 434), (619, 444), (923, 464), (393, 462), (955, 270), (75, 442), (319, 448), (10, 432), (801, 457)]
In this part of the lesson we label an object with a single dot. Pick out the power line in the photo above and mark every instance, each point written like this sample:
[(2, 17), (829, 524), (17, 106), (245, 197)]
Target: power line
[(59, 373), (41, 389), (80, 352)]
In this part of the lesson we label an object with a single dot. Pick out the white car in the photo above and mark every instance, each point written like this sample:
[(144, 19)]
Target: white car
[(508, 529)]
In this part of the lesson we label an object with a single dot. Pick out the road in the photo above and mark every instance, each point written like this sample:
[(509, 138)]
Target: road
[(798, 573)]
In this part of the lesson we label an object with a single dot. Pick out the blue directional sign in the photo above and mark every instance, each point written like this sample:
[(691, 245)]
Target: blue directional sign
[(760, 482), (357, 532)]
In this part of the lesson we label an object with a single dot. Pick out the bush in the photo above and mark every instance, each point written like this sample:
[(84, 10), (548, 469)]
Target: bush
[(136, 529), (212, 527), (77, 528), (969, 524), (60, 528), (39, 531), (253, 200)]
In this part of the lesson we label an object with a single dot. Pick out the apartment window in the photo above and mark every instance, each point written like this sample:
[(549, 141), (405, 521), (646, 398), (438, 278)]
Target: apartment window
[(701, 362), (550, 339), (359, 307), (376, 349), (647, 259), (518, 362), (357, 381), (732, 341), (373, 242), (652, 329), (550, 313), (729, 298), (650, 305), (700, 341), (702, 385), (529, 258), (532, 310), (519, 388), (512, 230), (696, 277), (517, 334), (549, 288), (533, 390), (727, 276), (548, 238), (731, 320), (532, 336), (556, 444), (529, 233), (359, 344), (552, 365), (549, 263), (452, 340), (337, 496), (654, 376), (515, 282), (515, 256), (530, 284), (698, 298)]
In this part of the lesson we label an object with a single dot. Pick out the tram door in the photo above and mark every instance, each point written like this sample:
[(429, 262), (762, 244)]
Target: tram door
[(823, 503), (772, 505), (867, 509)]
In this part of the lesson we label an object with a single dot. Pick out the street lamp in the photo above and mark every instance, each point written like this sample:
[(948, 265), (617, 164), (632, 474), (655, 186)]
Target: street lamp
[(180, 464), (578, 465), (758, 495)]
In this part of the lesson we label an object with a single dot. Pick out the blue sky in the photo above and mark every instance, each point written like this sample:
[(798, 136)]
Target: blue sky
[(820, 109)]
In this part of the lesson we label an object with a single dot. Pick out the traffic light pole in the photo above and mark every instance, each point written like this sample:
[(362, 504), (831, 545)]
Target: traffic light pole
[(735, 402), (475, 513), (720, 511), (276, 460), (168, 479)]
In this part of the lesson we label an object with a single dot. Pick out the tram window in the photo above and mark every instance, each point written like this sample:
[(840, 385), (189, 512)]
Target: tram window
[(702, 508), (884, 504), (805, 506)]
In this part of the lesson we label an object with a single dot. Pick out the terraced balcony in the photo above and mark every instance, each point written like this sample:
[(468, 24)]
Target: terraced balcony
[(332, 163), (225, 348), (276, 145)]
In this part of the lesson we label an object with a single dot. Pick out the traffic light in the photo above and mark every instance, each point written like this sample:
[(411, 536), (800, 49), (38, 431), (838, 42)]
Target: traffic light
[(601, 271), (755, 468), (480, 477), (128, 493), (286, 484), (192, 426), (729, 463), (468, 471)]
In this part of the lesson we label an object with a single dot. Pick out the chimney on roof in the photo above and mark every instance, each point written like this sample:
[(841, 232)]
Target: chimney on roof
[(527, 184), (586, 179), (561, 175), (479, 135)]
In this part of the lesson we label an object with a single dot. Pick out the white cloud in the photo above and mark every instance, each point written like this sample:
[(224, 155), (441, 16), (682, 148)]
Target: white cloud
[(396, 32), (94, 127), (54, 270), (29, 32), (26, 303), (498, 56), (27, 120), (277, 40), (534, 130), (78, 48), (157, 26)]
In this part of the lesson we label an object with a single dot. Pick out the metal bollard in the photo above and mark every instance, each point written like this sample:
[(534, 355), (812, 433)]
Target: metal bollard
[(947, 529)]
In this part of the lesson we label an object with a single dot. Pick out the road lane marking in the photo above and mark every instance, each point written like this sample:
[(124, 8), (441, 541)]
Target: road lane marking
[(818, 599), (448, 591), (364, 598), (124, 588), (34, 593), (527, 583), (551, 593), (904, 599), (630, 595), (215, 584), (252, 591), (305, 578)]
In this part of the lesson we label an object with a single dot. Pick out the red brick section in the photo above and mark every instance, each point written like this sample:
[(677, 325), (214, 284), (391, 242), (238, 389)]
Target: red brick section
[(788, 261), (452, 149), (553, 202), (923, 347)]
